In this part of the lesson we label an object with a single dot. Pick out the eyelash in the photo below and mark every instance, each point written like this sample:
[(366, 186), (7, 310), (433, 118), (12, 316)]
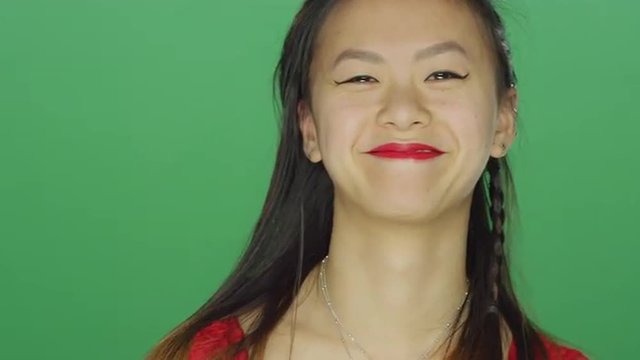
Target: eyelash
[(358, 79)]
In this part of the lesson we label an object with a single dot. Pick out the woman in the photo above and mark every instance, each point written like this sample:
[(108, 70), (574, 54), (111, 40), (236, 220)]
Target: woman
[(383, 232)]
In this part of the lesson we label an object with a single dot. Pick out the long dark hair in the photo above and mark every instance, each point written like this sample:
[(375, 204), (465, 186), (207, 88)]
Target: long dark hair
[(293, 232)]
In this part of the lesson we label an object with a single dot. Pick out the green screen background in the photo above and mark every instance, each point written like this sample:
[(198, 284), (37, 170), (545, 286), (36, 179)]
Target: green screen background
[(137, 139)]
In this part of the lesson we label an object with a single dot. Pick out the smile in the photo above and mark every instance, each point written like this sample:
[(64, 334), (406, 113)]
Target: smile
[(415, 151)]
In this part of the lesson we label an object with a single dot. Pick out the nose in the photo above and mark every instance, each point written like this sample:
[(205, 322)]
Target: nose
[(404, 109)]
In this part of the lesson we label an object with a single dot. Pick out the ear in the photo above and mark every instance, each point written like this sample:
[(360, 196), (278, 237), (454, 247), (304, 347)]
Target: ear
[(309, 132), (505, 133)]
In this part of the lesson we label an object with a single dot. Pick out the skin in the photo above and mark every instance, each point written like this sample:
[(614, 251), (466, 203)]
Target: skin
[(396, 268)]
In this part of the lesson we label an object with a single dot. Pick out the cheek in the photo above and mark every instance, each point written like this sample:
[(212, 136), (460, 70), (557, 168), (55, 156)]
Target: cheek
[(471, 121), (473, 130), (340, 124)]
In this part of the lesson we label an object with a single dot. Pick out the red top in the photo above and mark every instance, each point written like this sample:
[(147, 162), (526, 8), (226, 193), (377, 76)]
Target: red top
[(220, 334)]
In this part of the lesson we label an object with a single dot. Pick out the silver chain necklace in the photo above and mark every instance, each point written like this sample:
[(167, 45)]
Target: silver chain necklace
[(342, 330)]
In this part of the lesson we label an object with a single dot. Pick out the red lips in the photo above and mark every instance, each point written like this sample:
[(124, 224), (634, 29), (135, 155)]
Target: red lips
[(416, 151)]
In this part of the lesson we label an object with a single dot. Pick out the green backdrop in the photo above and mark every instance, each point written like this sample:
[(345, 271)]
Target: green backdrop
[(137, 139)]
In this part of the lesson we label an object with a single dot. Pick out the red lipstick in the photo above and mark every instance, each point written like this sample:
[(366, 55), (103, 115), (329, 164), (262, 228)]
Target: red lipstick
[(415, 151)]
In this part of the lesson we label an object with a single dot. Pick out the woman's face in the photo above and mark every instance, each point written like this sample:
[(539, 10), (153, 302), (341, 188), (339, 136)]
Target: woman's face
[(404, 71)]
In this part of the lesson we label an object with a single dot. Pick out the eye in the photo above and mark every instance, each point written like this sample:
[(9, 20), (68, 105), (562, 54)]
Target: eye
[(360, 79), (446, 75)]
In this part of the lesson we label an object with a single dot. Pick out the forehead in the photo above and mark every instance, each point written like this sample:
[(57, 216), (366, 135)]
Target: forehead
[(393, 26)]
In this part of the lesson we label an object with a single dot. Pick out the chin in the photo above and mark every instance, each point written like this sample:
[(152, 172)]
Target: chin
[(403, 212)]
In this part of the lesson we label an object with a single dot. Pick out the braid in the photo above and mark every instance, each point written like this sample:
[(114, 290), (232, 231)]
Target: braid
[(497, 214)]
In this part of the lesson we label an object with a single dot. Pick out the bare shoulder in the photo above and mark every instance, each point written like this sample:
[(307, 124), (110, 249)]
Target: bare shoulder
[(247, 320)]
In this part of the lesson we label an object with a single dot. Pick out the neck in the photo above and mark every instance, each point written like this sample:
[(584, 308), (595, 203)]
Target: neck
[(397, 283)]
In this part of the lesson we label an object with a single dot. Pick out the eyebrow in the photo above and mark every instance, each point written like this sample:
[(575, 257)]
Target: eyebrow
[(375, 58)]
